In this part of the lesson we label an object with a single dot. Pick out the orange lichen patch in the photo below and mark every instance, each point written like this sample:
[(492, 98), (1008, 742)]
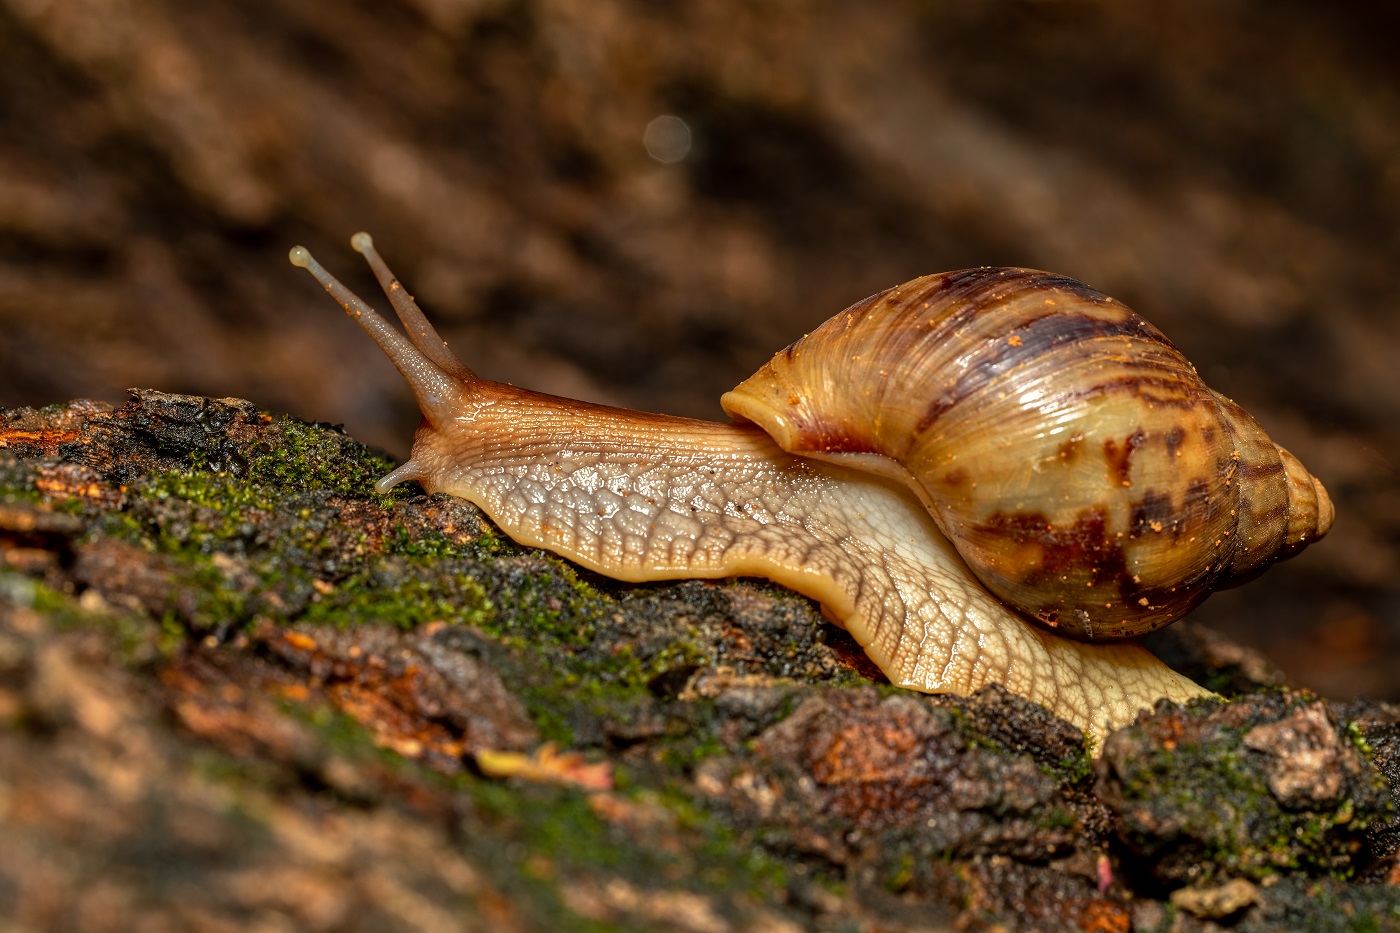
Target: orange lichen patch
[(375, 676), (863, 752), (298, 693), (72, 481), (229, 719), (547, 765), (1168, 731), (300, 641), (25, 520), (1104, 917), (44, 441), (61, 489), (31, 539), (388, 706), (873, 773), (871, 762), (388, 709), (998, 886), (28, 560)]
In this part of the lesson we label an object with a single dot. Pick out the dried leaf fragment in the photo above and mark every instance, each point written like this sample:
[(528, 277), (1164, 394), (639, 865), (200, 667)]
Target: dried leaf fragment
[(546, 765)]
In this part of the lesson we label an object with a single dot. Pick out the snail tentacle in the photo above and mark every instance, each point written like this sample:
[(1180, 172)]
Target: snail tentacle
[(439, 393), (424, 336)]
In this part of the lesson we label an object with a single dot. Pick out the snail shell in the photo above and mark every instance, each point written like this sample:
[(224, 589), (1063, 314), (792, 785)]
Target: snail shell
[(1070, 452)]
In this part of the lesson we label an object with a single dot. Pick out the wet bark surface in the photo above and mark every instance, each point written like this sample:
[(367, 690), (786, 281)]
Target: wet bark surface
[(241, 690), (1225, 169)]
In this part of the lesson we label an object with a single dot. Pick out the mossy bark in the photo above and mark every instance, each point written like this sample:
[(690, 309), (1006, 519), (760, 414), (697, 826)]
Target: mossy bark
[(236, 684)]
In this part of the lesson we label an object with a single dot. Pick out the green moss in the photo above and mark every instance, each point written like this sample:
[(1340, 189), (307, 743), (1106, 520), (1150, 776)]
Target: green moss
[(1358, 740), (699, 744), (313, 456), (565, 837), (556, 823), (220, 492), (491, 544), (549, 711), (16, 493), (564, 705), (415, 598), (536, 604), (220, 508), (1075, 769), (727, 861), (901, 874), (1057, 817), (52, 603), (346, 737), (1219, 796), (428, 545)]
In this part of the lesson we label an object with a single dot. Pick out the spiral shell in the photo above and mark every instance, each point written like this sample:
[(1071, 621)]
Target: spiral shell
[(1078, 463)]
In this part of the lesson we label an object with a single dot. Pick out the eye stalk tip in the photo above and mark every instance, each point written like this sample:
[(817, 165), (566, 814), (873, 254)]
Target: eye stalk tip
[(300, 256), (361, 242)]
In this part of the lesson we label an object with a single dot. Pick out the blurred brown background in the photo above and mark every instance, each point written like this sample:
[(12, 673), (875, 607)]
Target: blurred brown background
[(1229, 169)]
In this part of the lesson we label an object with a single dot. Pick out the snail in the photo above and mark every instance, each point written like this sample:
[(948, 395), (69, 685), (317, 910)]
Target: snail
[(992, 475)]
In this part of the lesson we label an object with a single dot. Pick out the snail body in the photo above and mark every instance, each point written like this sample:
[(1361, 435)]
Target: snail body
[(884, 502)]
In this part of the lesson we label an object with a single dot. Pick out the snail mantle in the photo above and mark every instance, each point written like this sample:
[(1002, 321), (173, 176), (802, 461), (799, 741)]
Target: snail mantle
[(986, 476)]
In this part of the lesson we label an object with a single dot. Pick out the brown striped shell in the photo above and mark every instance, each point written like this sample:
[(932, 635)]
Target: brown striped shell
[(1069, 451)]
